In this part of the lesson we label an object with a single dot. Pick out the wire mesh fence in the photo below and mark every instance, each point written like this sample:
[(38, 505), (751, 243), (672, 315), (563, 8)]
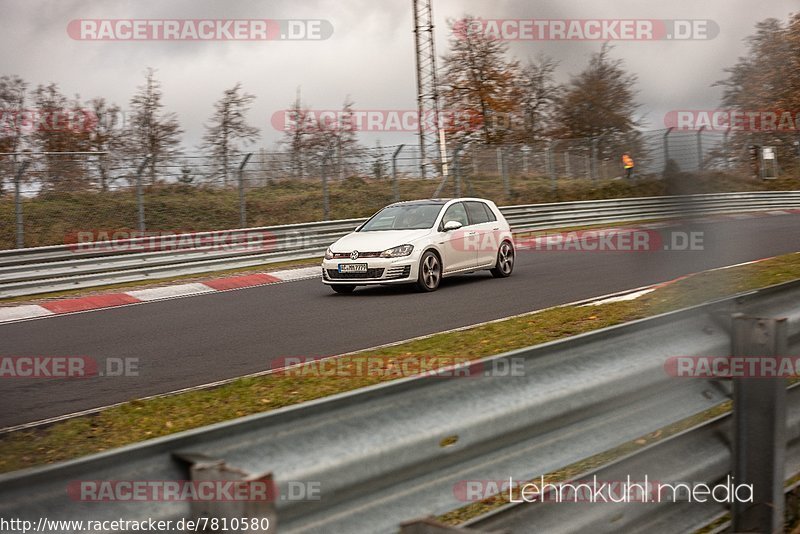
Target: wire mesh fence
[(50, 198)]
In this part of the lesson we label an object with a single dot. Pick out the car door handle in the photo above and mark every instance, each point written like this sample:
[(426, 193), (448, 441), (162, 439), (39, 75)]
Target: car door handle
[(470, 233)]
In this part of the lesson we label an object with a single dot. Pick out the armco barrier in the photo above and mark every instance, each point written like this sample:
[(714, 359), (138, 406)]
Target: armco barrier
[(63, 267)]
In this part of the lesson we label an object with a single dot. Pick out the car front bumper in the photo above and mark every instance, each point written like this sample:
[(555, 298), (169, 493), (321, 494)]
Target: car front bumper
[(379, 271)]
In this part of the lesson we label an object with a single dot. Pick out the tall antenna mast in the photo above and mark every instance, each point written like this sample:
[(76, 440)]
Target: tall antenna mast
[(432, 140)]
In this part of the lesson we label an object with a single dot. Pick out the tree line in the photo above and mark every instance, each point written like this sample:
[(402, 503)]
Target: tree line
[(503, 100)]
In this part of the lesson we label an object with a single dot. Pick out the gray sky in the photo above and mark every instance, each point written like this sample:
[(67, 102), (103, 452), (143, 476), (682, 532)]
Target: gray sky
[(370, 56)]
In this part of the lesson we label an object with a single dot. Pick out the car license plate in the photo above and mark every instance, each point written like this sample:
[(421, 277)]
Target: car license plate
[(352, 267)]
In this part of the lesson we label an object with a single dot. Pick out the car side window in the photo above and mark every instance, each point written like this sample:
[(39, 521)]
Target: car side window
[(489, 213), (456, 212), (477, 212)]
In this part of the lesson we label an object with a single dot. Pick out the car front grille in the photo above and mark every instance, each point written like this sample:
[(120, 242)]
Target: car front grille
[(346, 255), (334, 274)]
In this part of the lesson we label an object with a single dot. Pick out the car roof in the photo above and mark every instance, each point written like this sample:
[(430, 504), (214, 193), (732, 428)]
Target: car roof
[(437, 201)]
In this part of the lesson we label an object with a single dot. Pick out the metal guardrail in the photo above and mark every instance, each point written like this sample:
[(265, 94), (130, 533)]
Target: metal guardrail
[(387, 454), (72, 266), (700, 454)]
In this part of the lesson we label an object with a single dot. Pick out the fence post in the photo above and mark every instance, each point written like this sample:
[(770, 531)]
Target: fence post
[(501, 169), (567, 166), (525, 151), (18, 203), (726, 148), (551, 167), (666, 148), (242, 203), (759, 426), (326, 201), (456, 172), (700, 163), (594, 160), (395, 184), (140, 191), (499, 156)]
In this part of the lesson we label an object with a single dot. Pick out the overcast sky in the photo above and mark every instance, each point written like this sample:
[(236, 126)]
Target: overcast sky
[(369, 57)]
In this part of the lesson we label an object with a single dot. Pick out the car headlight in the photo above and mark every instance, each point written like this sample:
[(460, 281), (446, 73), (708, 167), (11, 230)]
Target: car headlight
[(329, 254), (397, 252)]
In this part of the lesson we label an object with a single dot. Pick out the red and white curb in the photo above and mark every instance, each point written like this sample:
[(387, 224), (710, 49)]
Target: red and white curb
[(135, 296)]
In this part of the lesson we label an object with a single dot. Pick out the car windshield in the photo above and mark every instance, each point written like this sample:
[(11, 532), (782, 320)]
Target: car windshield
[(403, 217)]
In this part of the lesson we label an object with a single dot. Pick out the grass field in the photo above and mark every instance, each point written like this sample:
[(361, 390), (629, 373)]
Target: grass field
[(50, 218)]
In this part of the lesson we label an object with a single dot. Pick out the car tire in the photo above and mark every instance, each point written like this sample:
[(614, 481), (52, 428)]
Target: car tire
[(430, 272), (342, 289), (505, 260)]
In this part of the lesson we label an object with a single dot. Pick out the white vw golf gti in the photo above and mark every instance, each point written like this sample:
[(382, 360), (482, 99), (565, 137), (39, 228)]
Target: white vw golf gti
[(421, 242)]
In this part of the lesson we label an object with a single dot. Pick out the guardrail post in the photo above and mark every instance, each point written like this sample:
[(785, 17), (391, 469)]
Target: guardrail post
[(140, 192), (700, 163), (759, 426), (242, 203), (395, 184), (18, 203), (256, 515)]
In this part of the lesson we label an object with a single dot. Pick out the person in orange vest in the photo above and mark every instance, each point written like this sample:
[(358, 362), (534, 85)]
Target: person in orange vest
[(627, 163)]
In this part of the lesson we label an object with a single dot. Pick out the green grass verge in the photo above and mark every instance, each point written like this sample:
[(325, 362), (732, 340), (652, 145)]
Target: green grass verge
[(52, 216), (139, 420)]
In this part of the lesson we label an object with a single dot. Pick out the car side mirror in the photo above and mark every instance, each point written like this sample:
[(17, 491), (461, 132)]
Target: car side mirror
[(449, 226)]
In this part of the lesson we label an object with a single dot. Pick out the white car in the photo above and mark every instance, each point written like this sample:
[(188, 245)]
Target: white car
[(421, 242)]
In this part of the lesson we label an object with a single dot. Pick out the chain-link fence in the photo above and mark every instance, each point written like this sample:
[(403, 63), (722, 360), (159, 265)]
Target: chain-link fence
[(50, 198)]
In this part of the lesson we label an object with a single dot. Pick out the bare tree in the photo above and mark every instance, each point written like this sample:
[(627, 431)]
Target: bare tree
[(152, 131), (296, 137), (12, 106), (60, 128), (539, 94), (600, 103), (106, 136), (334, 139), (767, 79), (480, 80), (228, 127)]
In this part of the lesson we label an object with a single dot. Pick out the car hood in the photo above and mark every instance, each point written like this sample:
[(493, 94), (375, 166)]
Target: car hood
[(377, 241)]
